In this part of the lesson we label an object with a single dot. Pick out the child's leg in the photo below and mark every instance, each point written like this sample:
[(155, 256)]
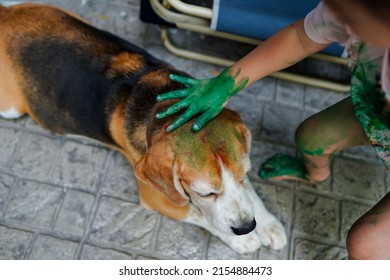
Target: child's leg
[(318, 138), (369, 237)]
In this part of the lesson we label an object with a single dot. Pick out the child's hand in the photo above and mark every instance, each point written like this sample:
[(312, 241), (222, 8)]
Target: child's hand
[(206, 97)]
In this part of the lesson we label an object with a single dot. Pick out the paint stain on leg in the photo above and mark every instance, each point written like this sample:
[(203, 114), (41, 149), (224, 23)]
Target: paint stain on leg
[(283, 167), (10, 114)]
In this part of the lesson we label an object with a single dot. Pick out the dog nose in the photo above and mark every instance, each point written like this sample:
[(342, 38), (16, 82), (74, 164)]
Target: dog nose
[(246, 228)]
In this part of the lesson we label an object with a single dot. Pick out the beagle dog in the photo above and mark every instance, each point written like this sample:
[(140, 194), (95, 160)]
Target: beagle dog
[(72, 78)]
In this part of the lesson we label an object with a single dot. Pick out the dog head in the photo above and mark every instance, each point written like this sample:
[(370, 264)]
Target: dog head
[(207, 169)]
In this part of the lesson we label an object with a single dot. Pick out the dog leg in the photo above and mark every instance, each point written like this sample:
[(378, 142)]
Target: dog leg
[(10, 114), (11, 101), (269, 229), (10, 107)]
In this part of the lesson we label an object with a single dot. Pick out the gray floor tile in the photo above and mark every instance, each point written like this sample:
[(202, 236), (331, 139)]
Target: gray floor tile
[(120, 180), (36, 149), (79, 166), (14, 243), (95, 253), (180, 240), (49, 248), (316, 216), (123, 224), (75, 212), (359, 179), (6, 182), (307, 250), (33, 204)]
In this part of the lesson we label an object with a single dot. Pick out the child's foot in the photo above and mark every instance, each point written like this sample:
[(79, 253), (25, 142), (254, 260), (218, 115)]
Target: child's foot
[(284, 167)]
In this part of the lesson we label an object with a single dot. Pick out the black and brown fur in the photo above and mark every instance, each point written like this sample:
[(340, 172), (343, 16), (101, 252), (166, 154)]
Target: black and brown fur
[(85, 73)]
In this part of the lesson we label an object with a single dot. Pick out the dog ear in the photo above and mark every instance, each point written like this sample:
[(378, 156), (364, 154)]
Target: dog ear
[(157, 168), (246, 142), (246, 137)]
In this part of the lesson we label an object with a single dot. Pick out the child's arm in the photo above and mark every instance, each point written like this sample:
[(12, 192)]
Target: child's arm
[(210, 96), (287, 47)]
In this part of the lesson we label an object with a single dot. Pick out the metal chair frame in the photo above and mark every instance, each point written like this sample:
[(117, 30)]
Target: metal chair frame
[(198, 19)]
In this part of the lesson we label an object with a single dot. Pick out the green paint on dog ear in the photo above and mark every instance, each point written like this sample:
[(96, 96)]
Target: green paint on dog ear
[(283, 165)]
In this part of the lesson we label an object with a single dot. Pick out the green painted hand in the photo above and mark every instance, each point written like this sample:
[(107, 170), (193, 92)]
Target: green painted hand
[(206, 97)]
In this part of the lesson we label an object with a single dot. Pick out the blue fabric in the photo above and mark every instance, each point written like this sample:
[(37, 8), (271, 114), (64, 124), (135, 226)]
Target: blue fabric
[(261, 18)]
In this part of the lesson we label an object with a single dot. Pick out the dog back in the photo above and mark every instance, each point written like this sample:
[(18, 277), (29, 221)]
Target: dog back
[(73, 75)]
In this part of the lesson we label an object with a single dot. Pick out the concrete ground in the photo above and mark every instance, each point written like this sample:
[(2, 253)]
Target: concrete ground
[(71, 198)]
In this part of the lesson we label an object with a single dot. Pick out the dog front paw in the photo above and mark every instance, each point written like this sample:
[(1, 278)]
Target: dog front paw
[(242, 244), (272, 234)]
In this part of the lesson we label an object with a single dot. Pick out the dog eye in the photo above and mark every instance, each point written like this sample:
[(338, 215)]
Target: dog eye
[(211, 194)]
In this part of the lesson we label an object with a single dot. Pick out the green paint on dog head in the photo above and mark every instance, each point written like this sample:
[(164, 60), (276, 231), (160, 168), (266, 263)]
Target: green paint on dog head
[(220, 138)]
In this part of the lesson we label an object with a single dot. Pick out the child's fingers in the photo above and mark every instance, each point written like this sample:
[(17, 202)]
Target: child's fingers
[(189, 82), (181, 120), (172, 95), (204, 119), (173, 109)]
